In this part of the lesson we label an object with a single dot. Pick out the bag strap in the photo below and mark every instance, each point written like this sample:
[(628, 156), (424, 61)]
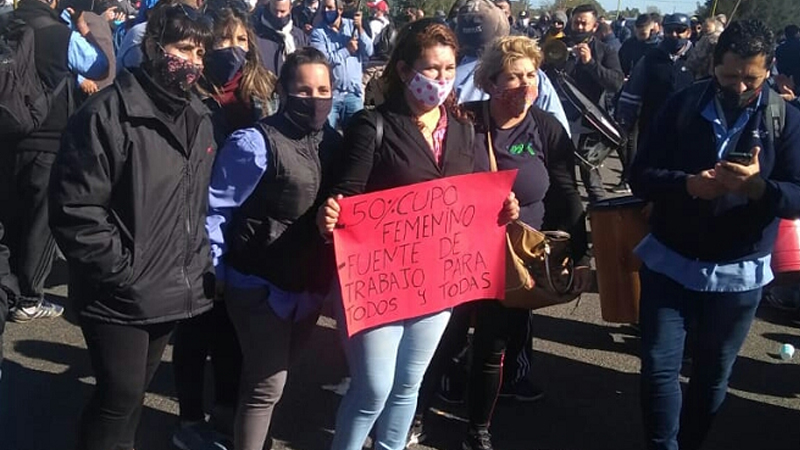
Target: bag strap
[(40, 22), (776, 116), (487, 123), (378, 130)]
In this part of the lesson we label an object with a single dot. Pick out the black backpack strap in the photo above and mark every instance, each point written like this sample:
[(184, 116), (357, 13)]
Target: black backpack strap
[(775, 115), (378, 129), (39, 22)]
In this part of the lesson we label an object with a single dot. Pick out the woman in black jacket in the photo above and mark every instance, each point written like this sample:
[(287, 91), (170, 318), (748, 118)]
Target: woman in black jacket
[(426, 137), (128, 200)]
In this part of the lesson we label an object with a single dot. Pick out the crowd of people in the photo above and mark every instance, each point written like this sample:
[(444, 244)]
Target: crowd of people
[(192, 156)]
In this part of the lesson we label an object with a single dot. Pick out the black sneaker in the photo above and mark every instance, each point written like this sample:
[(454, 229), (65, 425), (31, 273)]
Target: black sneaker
[(477, 440), (621, 188), (453, 388), (416, 435), (522, 391)]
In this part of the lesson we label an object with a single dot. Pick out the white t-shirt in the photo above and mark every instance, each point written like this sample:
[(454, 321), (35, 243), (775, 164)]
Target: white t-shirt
[(377, 25)]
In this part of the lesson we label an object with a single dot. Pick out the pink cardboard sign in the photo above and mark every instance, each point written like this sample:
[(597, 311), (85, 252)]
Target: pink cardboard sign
[(419, 249)]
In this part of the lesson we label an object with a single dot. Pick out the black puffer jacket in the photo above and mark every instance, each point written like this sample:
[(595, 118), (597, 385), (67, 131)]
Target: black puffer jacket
[(128, 202)]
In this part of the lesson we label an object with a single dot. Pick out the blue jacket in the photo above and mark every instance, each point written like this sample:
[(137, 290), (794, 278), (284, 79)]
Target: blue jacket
[(680, 143), (347, 68)]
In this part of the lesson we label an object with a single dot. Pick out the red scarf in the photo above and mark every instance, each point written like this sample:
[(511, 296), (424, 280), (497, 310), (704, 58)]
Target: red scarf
[(238, 112)]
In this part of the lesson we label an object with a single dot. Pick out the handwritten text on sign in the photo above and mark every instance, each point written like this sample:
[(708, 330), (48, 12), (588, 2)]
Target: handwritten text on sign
[(420, 249)]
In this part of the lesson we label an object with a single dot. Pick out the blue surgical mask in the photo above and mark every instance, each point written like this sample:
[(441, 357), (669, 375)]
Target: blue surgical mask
[(331, 16)]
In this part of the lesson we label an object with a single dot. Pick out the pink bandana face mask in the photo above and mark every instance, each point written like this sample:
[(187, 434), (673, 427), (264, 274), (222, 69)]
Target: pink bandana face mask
[(429, 92)]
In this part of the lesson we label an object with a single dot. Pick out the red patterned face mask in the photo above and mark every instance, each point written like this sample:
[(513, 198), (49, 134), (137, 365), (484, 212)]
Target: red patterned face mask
[(517, 99), (175, 73)]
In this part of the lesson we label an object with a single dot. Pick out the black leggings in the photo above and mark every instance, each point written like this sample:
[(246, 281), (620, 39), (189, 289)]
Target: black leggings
[(211, 333), (124, 359), (495, 327)]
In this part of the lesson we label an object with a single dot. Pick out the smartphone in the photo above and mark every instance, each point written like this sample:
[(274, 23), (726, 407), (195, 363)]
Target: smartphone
[(744, 159)]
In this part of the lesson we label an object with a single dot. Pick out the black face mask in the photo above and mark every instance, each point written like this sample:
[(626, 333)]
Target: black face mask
[(308, 113), (222, 65), (277, 23), (580, 38), (732, 100), (673, 45)]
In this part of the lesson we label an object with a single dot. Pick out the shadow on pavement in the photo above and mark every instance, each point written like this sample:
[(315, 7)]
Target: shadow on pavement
[(41, 410), (306, 415), (777, 379), (778, 317), (585, 335)]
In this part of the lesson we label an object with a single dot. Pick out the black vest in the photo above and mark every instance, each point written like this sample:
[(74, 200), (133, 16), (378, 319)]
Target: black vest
[(273, 234), (664, 78)]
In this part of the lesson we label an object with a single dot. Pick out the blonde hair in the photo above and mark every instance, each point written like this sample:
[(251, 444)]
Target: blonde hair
[(499, 56)]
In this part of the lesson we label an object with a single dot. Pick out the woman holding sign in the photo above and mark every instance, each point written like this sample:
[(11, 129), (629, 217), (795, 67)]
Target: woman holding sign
[(263, 196), (534, 142), (425, 136)]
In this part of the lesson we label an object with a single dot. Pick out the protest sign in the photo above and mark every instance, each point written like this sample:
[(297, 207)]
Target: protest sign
[(419, 249)]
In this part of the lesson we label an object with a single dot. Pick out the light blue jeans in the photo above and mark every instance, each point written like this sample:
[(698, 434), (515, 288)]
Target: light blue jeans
[(386, 365), (344, 108)]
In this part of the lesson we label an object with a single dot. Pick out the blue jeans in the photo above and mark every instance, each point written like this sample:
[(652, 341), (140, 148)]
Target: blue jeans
[(344, 108), (386, 365), (719, 323)]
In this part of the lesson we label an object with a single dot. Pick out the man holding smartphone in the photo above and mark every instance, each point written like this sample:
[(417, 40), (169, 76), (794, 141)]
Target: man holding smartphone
[(720, 163)]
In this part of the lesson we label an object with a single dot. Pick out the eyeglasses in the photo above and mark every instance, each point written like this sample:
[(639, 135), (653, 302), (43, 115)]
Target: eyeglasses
[(675, 30)]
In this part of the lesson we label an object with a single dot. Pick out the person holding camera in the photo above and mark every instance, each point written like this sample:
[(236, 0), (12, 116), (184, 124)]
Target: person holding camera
[(346, 44), (720, 164), (596, 70)]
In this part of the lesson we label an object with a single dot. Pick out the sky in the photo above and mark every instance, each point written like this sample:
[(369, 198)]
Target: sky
[(666, 6)]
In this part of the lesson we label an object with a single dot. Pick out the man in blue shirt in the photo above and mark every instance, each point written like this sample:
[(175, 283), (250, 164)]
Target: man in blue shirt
[(60, 54), (720, 164), (347, 45)]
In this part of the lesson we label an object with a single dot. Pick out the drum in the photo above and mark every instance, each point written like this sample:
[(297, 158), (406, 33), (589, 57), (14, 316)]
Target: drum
[(786, 254), (618, 225)]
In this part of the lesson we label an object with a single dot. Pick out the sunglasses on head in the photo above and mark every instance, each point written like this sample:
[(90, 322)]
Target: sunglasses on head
[(191, 13)]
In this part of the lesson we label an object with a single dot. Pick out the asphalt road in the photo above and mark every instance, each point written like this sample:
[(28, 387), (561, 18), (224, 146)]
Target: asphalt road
[(587, 367)]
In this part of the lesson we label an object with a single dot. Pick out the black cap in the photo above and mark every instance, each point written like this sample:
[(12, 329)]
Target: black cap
[(676, 20)]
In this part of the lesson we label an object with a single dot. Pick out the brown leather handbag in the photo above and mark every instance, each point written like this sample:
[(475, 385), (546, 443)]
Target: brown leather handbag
[(539, 269)]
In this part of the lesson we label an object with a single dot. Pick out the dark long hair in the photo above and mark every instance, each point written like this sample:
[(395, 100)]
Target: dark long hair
[(413, 39), (257, 82)]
